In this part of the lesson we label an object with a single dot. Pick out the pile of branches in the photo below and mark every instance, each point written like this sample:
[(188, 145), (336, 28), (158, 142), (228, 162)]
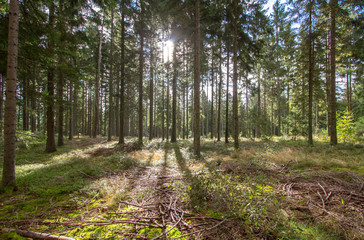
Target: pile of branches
[(164, 210), (328, 196)]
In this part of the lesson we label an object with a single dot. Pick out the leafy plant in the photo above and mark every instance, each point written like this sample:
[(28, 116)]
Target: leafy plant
[(345, 127)]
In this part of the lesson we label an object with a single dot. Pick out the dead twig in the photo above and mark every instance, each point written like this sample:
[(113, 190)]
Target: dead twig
[(36, 235)]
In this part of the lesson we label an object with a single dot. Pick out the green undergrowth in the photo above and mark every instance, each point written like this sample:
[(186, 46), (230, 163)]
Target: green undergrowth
[(50, 183), (241, 186)]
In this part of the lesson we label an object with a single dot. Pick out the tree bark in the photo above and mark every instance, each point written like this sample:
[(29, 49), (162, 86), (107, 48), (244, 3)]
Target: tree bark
[(111, 89), (1, 103), (97, 86), (310, 78), (8, 179), (333, 135), (151, 88), (50, 144), (122, 75), (212, 93), (196, 132), (141, 66), (70, 132), (25, 104), (60, 84), (258, 107), (218, 124), (227, 94), (174, 95), (235, 78)]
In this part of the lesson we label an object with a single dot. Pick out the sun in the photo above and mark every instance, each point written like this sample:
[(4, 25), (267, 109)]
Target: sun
[(167, 50)]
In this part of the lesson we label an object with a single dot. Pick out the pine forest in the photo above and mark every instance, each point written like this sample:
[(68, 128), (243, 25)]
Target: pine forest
[(182, 119)]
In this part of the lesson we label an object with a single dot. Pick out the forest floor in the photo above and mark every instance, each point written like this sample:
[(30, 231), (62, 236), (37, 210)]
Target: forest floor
[(268, 189)]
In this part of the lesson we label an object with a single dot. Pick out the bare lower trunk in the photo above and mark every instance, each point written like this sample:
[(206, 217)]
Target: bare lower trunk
[(310, 80), (174, 95), (122, 76), (8, 178), (141, 66), (227, 96), (235, 78), (218, 123), (196, 132), (97, 87), (151, 88), (333, 135), (111, 89)]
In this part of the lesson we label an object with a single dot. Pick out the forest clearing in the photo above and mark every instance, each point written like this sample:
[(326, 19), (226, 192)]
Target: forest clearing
[(182, 119), (269, 189)]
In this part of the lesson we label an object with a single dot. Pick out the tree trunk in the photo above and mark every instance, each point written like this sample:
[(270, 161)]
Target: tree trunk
[(60, 84), (122, 75), (333, 135), (151, 88), (1, 103), (196, 132), (50, 144), (218, 124), (310, 78), (327, 88), (97, 86), (8, 178), (258, 107), (141, 65), (167, 125), (235, 78), (111, 89), (227, 94), (212, 93), (25, 104), (174, 95), (32, 106), (71, 106)]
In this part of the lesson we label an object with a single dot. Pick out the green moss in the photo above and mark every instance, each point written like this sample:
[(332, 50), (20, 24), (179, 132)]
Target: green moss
[(11, 236)]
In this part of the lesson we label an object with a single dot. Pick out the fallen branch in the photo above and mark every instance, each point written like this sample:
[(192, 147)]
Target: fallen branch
[(36, 235)]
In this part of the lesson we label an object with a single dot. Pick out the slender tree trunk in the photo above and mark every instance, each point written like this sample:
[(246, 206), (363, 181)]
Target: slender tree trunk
[(310, 78), (151, 88), (227, 94), (141, 66), (111, 89), (247, 108), (89, 122), (74, 112), (174, 95), (1, 103), (212, 94), (122, 75), (327, 88), (97, 86), (163, 107), (333, 135), (50, 144), (83, 111), (71, 106), (60, 84), (218, 124), (33, 107), (196, 132), (258, 107), (8, 178), (25, 103), (235, 78), (167, 133)]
